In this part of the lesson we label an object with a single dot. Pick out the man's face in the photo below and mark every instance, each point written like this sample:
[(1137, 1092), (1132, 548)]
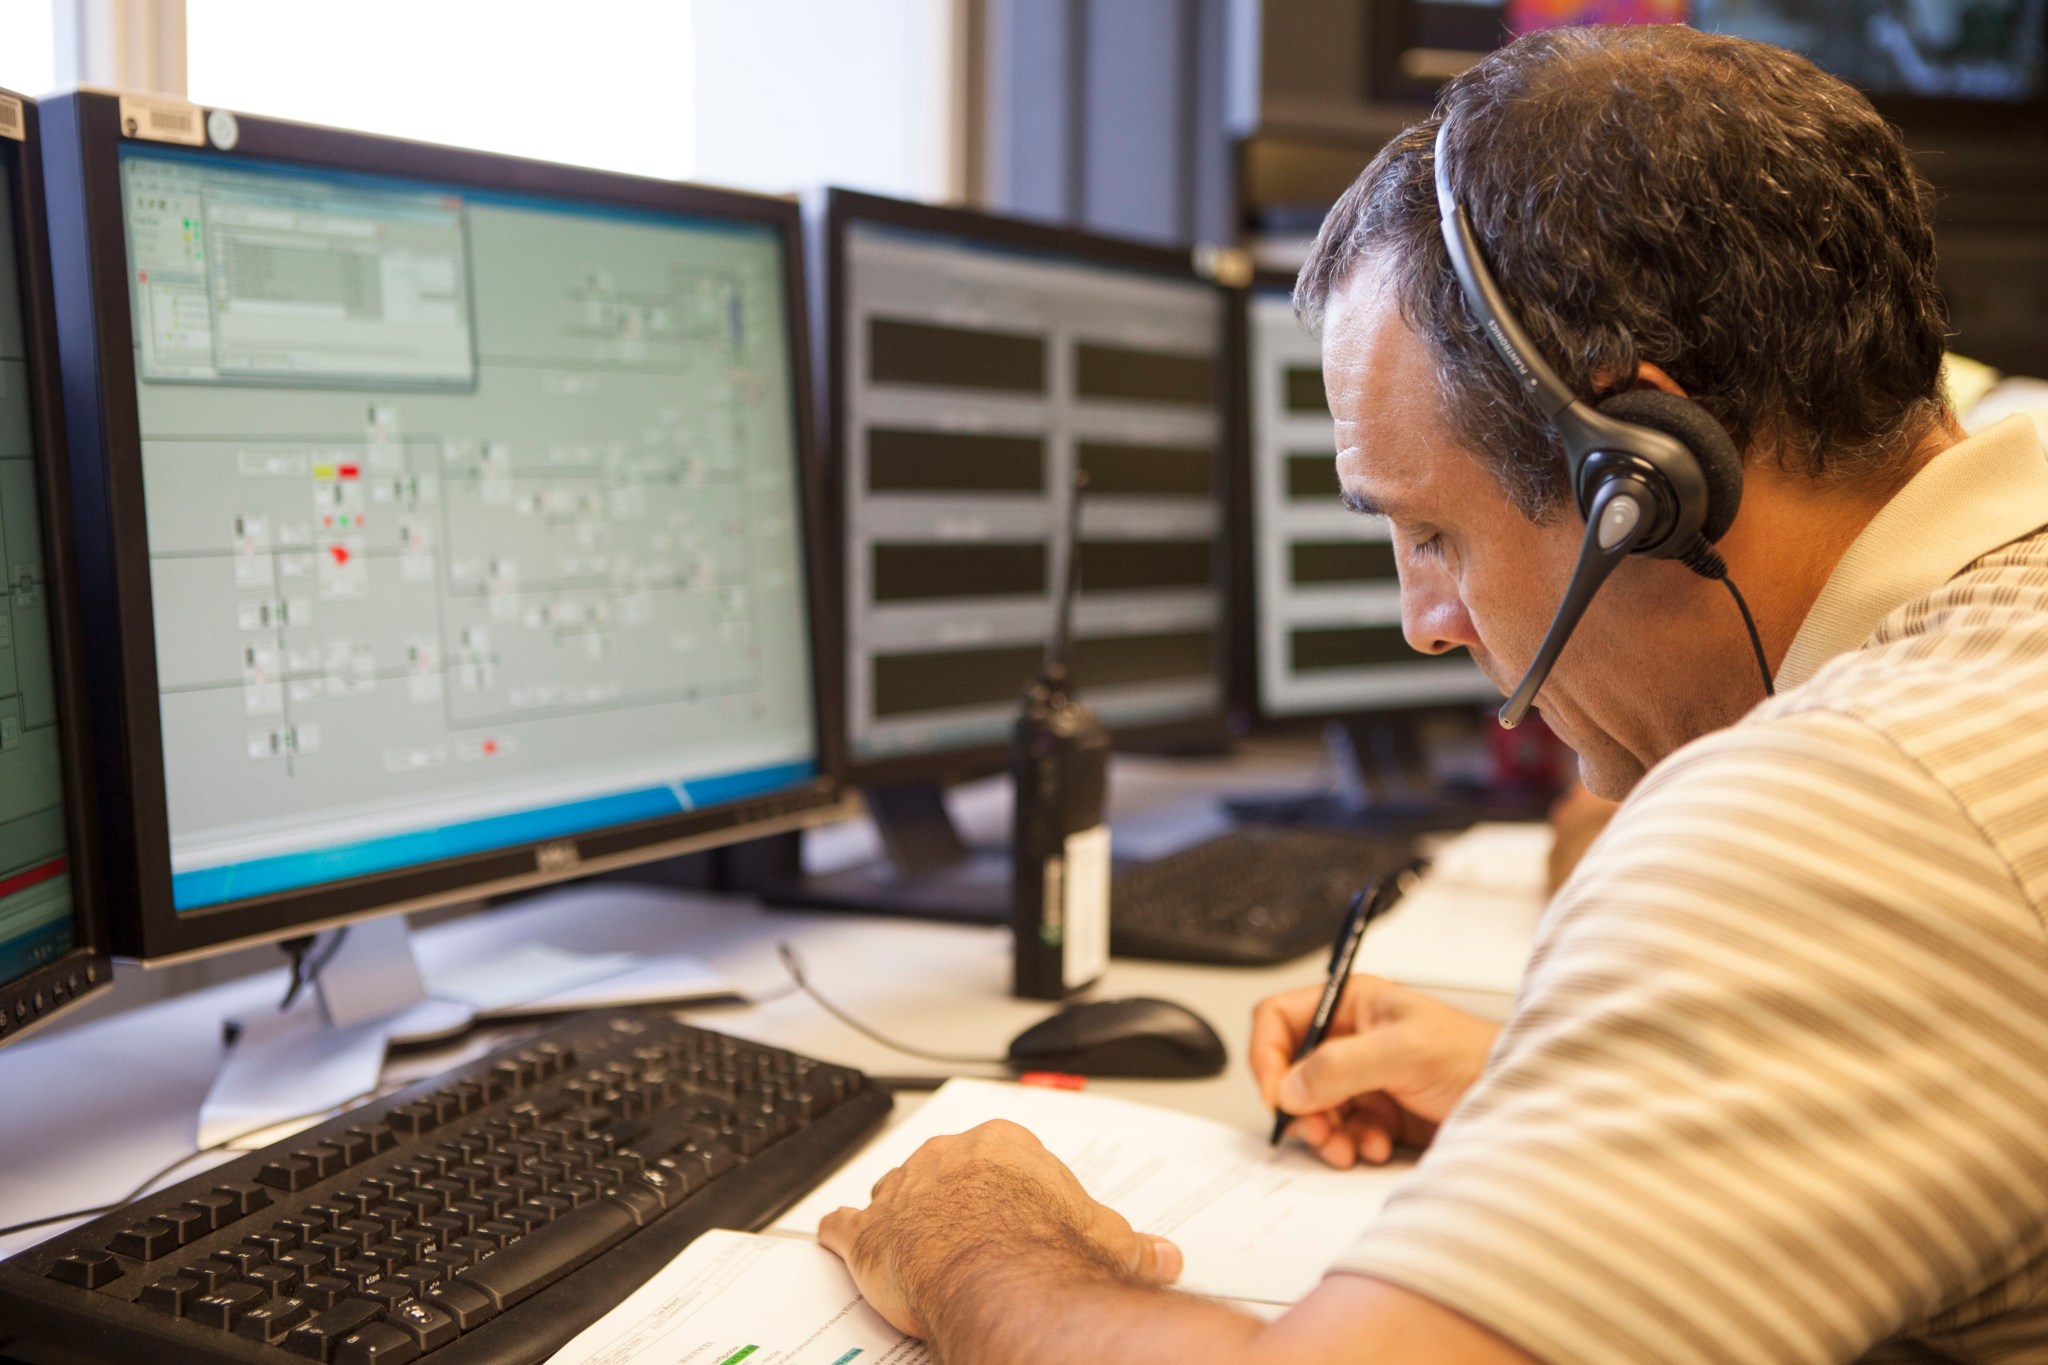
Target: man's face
[(1648, 668)]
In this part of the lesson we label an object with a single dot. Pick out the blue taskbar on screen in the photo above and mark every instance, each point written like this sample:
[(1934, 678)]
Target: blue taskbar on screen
[(202, 887)]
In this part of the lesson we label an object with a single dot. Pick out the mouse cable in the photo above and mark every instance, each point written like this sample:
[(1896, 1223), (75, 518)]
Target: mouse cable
[(795, 967)]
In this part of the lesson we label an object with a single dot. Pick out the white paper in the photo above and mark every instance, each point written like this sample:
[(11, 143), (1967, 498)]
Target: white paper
[(1470, 922), (531, 971), (648, 979), (1252, 1223), (288, 1067), (733, 1297)]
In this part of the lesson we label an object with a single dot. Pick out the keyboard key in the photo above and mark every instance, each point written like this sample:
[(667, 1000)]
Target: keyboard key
[(287, 1173), (324, 1291), (413, 1119), (327, 1158), (428, 1326), (378, 1344), (246, 1197), (220, 1209), (317, 1338), (211, 1275), (86, 1269), (468, 1308), (335, 1246), (170, 1294), (276, 1280), (269, 1322), (538, 1260), (145, 1241), (357, 1145), (225, 1304), (275, 1240), (190, 1224), (241, 1259), (305, 1262)]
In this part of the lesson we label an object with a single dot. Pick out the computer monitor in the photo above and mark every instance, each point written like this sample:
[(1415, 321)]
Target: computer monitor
[(1325, 625), (975, 363), (1327, 598), (52, 929), (971, 365), (442, 512)]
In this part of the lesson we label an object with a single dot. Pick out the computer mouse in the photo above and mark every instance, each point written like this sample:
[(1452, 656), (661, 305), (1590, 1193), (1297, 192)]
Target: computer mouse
[(1137, 1037)]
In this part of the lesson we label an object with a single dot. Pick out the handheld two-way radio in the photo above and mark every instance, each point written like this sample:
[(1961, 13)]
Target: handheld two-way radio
[(1060, 843)]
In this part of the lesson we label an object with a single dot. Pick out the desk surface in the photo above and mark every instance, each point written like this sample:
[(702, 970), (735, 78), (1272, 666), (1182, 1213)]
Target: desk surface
[(64, 1144)]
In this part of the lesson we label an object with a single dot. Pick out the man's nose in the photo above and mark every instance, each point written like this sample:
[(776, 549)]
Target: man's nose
[(1433, 616)]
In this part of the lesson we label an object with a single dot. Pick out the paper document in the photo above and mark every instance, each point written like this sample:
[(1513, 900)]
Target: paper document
[(1253, 1223), (1471, 921), (539, 978), (733, 1297)]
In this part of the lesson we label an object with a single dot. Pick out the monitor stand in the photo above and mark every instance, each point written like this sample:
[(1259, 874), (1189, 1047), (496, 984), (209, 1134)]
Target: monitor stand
[(1383, 786), (930, 871), (290, 1067)]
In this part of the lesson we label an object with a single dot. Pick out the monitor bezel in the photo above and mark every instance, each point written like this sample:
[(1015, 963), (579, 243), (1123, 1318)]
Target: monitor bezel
[(101, 398), (834, 211), (85, 970)]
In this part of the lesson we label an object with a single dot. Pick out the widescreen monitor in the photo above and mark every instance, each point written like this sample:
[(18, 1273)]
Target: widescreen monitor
[(444, 511), (1327, 596), (974, 364), (52, 935)]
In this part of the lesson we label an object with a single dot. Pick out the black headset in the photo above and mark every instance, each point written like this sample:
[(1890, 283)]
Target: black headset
[(1653, 474)]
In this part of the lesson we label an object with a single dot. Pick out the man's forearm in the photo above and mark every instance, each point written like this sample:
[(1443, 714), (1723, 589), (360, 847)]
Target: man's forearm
[(1021, 1308)]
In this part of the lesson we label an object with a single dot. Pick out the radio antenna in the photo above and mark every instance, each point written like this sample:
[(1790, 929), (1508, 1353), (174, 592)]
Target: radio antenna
[(1060, 647)]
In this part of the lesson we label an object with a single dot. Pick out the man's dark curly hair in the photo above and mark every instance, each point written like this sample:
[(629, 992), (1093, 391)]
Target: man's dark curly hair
[(1717, 207)]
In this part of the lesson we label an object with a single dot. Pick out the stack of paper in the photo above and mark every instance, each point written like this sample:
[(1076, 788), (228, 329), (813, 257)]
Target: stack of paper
[(1256, 1226)]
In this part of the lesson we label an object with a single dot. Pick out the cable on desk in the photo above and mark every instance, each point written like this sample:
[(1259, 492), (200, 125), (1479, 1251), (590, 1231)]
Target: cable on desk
[(796, 973), (192, 1155)]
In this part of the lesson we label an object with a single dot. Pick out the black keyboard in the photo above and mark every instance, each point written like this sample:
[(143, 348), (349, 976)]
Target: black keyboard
[(1254, 896), (486, 1214)]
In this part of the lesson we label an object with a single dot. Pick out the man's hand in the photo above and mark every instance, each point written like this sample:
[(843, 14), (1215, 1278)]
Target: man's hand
[(1394, 1064), (971, 1211)]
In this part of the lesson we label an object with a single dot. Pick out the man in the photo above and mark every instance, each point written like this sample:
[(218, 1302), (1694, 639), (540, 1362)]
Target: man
[(1775, 1087)]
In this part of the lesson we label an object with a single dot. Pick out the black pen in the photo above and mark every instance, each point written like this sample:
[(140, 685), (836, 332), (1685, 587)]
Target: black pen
[(1366, 906)]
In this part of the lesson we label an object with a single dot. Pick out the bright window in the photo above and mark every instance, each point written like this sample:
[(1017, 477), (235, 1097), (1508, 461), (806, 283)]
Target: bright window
[(28, 46), (764, 94)]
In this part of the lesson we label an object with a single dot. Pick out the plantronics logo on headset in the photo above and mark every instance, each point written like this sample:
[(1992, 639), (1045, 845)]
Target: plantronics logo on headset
[(557, 856)]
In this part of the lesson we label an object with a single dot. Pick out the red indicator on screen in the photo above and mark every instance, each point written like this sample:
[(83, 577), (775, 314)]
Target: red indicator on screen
[(340, 553), (34, 876), (348, 471)]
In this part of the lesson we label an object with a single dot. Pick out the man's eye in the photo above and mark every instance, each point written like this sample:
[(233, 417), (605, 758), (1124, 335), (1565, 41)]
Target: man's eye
[(1432, 548)]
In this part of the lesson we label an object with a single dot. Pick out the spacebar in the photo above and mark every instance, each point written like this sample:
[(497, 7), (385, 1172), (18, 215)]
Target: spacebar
[(546, 1254)]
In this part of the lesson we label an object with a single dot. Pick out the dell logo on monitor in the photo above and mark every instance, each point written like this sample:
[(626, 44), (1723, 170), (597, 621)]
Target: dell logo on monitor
[(556, 856)]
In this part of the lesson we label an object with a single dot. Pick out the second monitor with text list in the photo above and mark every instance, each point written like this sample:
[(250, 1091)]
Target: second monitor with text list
[(978, 364)]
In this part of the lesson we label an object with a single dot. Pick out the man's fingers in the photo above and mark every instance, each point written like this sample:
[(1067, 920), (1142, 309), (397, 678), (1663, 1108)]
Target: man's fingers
[(1159, 1261), (1341, 1069), (1278, 1023), (837, 1230)]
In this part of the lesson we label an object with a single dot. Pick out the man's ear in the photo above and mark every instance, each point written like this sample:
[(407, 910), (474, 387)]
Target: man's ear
[(1650, 376)]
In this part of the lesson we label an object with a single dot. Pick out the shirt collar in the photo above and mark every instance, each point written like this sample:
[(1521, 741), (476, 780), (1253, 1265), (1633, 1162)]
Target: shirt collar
[(1981, 493)]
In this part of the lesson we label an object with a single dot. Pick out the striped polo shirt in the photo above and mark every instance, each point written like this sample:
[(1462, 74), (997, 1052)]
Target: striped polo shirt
[(1775, 1088)]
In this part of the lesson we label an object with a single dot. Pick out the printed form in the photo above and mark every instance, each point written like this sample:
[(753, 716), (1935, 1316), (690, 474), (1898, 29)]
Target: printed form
[(1254, 1224), (732, 1298)]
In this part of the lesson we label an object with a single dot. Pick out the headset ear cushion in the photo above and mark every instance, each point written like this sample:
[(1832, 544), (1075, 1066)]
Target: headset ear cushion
[(1707, 439)]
